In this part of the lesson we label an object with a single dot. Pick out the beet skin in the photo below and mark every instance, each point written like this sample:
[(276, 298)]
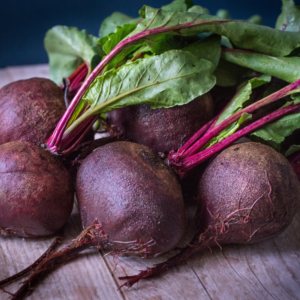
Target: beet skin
[(36, 192), (135, 197), (30, 110), (162, 129), (247, 194)]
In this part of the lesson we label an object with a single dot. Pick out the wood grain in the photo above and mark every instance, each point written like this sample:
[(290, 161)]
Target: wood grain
[(268, 270)]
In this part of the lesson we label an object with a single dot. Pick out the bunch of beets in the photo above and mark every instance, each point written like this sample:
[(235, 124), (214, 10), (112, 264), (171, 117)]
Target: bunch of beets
[(132, 190)]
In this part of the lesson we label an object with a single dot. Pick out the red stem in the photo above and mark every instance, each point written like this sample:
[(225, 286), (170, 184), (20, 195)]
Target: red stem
[(212, 124), (249, 109), (76, 83), (77, 71), (91, 120), (187, 164), (196, 136)]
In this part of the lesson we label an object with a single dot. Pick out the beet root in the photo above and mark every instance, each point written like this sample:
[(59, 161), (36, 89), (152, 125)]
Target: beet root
[(162, 129), (36, 192), (134, 196), (250, 191), (30, 110), (247, 194)]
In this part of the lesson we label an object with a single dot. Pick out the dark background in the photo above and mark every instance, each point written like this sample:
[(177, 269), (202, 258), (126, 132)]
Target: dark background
[(23, 23)]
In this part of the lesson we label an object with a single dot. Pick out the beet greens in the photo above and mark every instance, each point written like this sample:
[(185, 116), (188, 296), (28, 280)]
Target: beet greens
[(156, 28)]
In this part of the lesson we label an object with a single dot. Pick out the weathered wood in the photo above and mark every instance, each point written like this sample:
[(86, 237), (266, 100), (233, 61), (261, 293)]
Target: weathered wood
[(268, 270)]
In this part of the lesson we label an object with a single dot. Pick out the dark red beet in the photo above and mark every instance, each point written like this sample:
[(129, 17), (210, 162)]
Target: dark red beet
[(30, 110), (36, 192), (163, 129), (135, 197), (251, 190)]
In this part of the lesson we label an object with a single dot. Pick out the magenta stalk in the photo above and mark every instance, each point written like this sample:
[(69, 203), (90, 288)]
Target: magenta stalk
[(189, 163)]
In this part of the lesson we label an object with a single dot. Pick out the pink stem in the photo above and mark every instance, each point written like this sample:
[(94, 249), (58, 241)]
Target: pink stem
[(249, 109), (88, 127), (201, 133), (196, 136), (77, 71), (75, 85), (65, 142), (190, 162)]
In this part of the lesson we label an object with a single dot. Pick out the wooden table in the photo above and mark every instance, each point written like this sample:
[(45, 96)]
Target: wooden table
[(268, 270)]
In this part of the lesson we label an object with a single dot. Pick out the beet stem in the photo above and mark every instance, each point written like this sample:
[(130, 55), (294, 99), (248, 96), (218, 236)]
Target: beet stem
[(77, 71), (91, 120), (196, 136), (249, 109), (190, 162), (202, 132), (49, 251), (75, 84)]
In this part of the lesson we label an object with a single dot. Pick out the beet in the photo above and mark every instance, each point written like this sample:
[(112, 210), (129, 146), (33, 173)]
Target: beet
[(36, 192), (163, 129), (252, 190), (135, 197), (30, 110), (247, 194)]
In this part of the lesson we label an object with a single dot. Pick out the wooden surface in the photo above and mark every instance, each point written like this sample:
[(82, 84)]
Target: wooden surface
[(268, 270)]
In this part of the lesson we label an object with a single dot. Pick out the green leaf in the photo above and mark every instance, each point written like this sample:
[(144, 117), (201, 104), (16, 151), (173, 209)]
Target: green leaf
[(208, 48), (242, 34), (224, 14), (231, 129), (289, 19), (111, 40), (229, 74), (296, 98), (143, 49), (172, 78), (256, 19), (199, 10), (110, 23), (169, 42), (293, 149), (242, 96), (277, 131), (67, 49), (178, 5), (285, 68)]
